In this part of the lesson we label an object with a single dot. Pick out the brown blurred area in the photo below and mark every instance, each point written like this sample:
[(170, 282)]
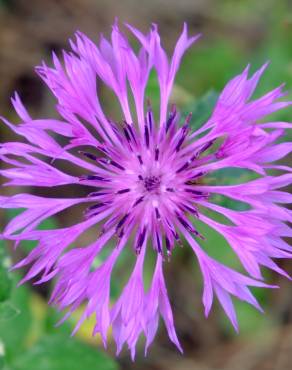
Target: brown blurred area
[(29, 31)]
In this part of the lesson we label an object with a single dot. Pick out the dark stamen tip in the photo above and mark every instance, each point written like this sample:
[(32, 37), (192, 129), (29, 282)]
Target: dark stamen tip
[(139, 200), (121, 234), (171, 190), (190, 182), (123, 191), (158, 241), (102, 149), (137, 251), (127, 136), (184, 167), (93, 178), (156, 154), (167, 244), (141, 239), (96, 194), (199, 174), (181, 140), (146, 134), (171, 118), (129, 129), (88, 155), (205, 147), (196, 192), (98, 205), (191, 210), (157, 214), (115, 164), (122, 221)]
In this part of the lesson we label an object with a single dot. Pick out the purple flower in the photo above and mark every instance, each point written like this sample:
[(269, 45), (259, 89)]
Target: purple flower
[(151, 180)]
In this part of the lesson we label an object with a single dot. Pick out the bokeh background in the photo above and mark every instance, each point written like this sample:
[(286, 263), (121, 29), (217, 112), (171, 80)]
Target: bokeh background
[(235, 32)]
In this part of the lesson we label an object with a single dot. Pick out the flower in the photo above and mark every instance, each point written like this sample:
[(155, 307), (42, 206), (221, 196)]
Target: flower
[(151, 180)]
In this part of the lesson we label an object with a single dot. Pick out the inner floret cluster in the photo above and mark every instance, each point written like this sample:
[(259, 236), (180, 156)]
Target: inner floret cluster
[(151, 178)]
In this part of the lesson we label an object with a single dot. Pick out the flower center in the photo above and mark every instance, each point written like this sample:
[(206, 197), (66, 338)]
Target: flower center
[(151, 183)]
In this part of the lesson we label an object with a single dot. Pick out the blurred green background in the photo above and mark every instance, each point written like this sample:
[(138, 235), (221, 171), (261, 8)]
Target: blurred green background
[(235, 33)]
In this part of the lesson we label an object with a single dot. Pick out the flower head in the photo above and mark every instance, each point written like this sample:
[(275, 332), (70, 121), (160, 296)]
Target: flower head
[(150, 176)]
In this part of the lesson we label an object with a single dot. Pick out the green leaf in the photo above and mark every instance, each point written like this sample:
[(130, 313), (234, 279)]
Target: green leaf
[(5, 281), (14, 332), (59, 352), (8, 311), (201, 109), (53, 316)]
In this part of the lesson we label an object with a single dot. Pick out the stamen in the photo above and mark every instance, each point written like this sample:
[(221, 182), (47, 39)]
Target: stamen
[(93, 178), (102, 149), (171, 118), (158, 241), (188, 226), (96, 194), (115, 164), (167, 244), (87, 213), (156, 154), (88, 155), (150, 120), (184, 223), (196, 192), (141, 239), (157, 214), (109, 161), (127, 136), (172, 229), (184, 132), (90, 215), (130, 129), (146, 134), (149, 115), (98, 205), (139, 200), (192, 180), (122, 221), (185, 166), (121, 234), (171, 190), (199, 174), (205, 147), (123, 191), (110, 223), (179, 144), (140, 159), (191, 210)]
